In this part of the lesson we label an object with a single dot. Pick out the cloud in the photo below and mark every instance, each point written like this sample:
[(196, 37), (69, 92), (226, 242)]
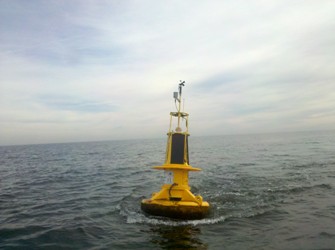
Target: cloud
[(77, 104), (106, 70)]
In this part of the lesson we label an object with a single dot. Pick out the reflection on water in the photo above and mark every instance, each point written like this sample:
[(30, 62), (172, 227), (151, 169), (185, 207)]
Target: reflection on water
[(266, 191), (180, 237)]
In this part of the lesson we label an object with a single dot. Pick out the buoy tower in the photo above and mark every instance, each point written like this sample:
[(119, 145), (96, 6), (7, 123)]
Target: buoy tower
[(175, 199)]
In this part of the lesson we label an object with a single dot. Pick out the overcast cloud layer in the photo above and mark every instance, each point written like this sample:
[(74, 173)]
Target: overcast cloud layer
[(103, 70)]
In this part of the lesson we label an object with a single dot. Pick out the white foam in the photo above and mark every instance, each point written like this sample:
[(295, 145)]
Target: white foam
[(141, 219)]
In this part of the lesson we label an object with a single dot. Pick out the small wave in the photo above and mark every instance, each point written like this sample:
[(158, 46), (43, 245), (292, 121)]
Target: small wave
[(271, 213), (281, 155), (310, 165), (92, 153), (300, 188), (141, 219), (53, 160), (23, 232), (247, 164), (313, 142), (294, 238), (327, 235), (234, 193), (326, 186)]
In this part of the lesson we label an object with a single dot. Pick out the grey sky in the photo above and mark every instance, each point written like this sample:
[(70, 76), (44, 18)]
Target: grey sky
[(101, 70)]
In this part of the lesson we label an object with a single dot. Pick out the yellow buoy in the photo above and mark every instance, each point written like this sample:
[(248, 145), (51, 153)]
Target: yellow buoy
[(175, 199)]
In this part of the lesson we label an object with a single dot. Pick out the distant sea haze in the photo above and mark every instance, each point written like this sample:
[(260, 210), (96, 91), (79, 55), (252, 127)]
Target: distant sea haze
[(267, 191)]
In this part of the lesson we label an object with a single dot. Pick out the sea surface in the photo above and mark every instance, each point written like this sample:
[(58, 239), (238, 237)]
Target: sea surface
[(267, 191)]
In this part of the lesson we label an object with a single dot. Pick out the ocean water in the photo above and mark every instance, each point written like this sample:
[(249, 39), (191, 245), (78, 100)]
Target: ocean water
[(269, 191)]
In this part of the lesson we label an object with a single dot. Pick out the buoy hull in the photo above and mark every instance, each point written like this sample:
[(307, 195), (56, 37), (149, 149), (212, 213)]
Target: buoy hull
[(176, 210)]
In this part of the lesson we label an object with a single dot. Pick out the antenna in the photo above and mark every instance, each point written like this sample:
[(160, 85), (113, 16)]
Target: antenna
[(177, 95), (181, 84)]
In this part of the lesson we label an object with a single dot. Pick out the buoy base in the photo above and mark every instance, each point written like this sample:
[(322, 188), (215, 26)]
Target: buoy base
[(183, 210)]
